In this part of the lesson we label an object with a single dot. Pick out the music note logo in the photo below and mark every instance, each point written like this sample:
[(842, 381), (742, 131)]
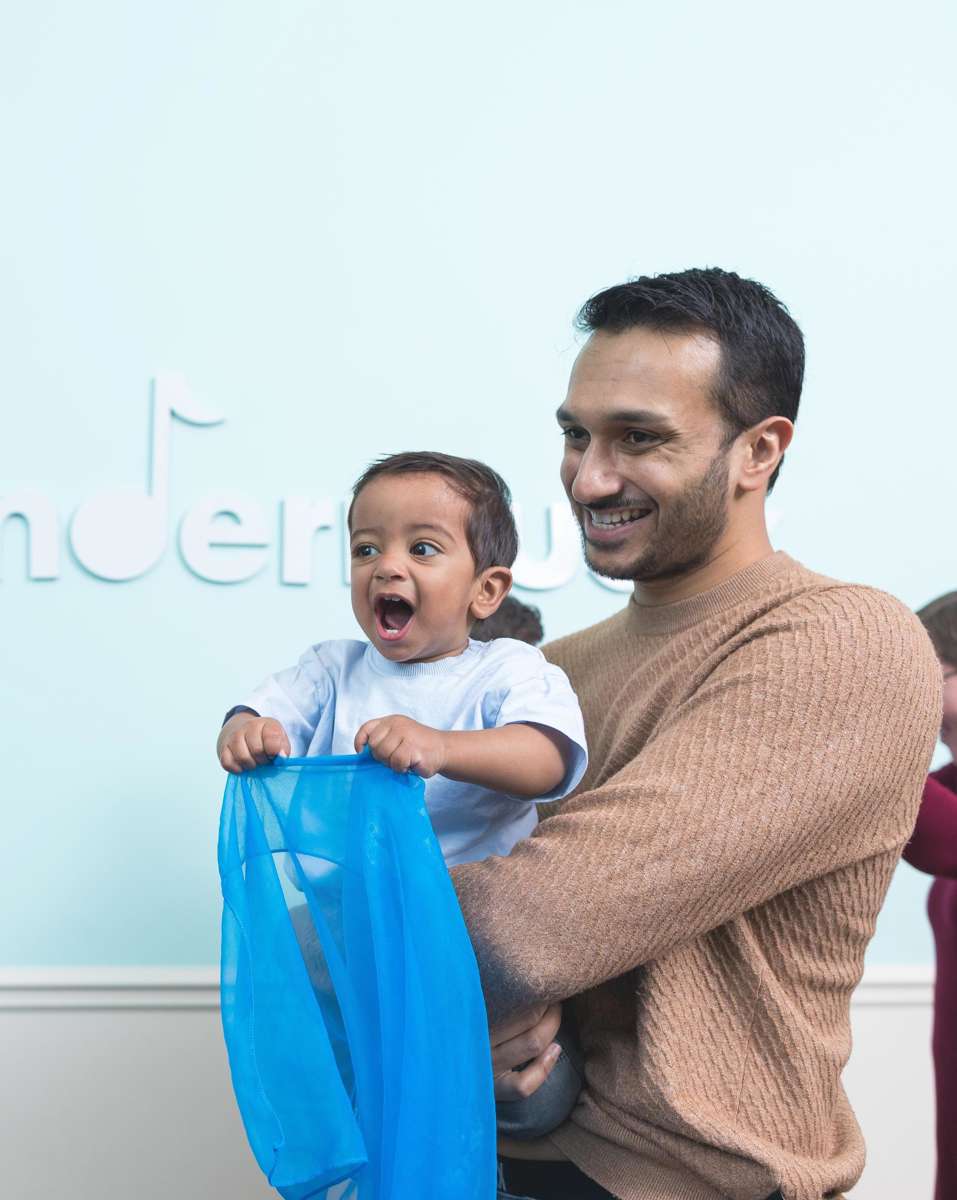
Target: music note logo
[(121, 534)]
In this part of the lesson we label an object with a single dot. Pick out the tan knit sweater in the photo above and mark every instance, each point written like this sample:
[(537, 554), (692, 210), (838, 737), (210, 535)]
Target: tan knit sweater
[(757, 759)]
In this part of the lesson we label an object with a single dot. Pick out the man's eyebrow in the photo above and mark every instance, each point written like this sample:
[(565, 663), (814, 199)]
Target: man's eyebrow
[(620, 416)]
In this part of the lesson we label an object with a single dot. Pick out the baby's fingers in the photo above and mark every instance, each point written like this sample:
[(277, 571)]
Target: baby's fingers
[(362, 737), (401, 757), (274, 740), (228, 762)]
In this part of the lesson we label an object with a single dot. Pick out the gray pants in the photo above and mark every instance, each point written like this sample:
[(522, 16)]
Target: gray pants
[(547, 1108)]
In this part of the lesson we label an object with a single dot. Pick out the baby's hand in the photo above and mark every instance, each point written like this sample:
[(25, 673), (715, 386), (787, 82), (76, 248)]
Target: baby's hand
[(404, 745), (246, 741)]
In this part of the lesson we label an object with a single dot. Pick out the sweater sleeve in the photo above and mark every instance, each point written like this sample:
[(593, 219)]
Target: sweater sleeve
[(805, 749), (933, 845)]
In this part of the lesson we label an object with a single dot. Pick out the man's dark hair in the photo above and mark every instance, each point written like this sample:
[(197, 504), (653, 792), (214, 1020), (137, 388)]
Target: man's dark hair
[(939, 618), (512, 619), (490, 527), (762, 349)]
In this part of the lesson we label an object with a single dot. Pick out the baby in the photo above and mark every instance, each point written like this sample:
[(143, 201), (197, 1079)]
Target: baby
[(491, 726)]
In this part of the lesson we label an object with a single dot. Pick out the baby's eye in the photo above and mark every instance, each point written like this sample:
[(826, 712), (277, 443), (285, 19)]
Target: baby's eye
[(424, 549), (364, 550)]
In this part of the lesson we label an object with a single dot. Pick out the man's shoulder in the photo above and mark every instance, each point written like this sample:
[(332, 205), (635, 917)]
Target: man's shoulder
[(842, 606), (849, 627)]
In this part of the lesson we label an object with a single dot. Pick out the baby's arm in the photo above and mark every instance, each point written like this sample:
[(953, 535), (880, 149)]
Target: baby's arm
[(280, 716), (246, 740), (521, 760)]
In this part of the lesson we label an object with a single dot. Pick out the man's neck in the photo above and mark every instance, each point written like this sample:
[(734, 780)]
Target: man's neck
[(728, 558)]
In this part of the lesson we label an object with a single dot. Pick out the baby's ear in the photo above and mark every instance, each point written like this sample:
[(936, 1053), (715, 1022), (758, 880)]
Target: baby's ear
[(491, 588)]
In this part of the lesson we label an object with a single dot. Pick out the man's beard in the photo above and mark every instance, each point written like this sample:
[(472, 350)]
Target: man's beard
[(686, 534)]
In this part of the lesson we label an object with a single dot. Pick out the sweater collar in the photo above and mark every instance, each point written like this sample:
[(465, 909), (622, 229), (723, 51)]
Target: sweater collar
[(442, 667), (682, 614)]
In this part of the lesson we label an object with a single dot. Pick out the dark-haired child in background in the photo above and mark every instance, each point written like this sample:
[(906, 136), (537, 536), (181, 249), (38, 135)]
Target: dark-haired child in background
[(933, 848), (512, 619), (490, 725)]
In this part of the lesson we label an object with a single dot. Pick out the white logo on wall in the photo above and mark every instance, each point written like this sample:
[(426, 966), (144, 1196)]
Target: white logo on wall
[(121, 534)]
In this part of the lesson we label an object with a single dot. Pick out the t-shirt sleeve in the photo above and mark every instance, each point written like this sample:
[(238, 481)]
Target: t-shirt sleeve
[(530, 690), (295, 698)]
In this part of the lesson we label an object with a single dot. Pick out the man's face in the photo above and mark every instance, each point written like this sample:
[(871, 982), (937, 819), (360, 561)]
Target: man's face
[(413, 575), (645, 464)]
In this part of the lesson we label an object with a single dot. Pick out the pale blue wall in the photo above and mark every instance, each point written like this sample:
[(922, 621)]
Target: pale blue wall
[(360, 228)]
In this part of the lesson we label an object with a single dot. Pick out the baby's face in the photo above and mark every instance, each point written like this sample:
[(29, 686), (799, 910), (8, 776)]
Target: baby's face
[(413, 576)]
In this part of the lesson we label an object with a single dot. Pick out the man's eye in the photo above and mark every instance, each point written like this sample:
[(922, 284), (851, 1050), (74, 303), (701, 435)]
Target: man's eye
[(364, 550), (639, 437), (574, 434), (424, 549)]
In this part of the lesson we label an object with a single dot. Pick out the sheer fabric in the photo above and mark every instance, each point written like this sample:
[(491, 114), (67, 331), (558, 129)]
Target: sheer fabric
[(351, 1003)]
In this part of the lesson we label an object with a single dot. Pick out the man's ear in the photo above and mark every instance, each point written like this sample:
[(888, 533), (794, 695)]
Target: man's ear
[(491, 588), (764, 446)]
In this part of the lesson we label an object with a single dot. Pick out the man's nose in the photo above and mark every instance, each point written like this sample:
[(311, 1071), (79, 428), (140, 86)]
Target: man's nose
[(595, 478)]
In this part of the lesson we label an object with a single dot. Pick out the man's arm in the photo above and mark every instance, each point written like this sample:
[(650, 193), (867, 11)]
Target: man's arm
[(805, 750)]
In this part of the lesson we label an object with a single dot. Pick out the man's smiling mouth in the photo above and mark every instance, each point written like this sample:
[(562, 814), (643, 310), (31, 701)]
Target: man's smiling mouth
[(393, 616), (605, 518), (609, 525)]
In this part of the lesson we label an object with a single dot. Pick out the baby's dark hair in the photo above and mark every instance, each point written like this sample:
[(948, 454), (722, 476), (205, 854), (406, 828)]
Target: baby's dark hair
[(490, 528), (512, 619), (939, 618)]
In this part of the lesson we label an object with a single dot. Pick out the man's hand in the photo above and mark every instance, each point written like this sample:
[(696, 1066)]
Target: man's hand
[(404, 745), (524, 1041), (246, 741)]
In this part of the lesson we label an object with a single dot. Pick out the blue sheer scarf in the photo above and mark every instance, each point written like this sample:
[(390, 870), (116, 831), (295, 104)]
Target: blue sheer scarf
[(351, 1003)]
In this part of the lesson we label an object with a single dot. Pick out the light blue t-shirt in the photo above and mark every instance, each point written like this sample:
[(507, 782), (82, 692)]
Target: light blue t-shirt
[(337, 686)]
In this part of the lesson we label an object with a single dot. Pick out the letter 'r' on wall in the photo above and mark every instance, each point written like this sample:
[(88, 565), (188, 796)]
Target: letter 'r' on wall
[(38, 516), (302, 518)]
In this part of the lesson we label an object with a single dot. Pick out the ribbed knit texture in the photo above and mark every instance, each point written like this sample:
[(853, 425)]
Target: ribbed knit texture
[(757, 759)]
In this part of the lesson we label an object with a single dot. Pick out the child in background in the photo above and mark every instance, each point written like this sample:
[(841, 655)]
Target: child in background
[(933, 848), (512, 619), (491, 726)]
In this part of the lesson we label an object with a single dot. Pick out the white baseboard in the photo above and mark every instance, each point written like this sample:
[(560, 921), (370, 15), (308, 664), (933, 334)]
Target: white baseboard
[(137, 1053), (32, 988)]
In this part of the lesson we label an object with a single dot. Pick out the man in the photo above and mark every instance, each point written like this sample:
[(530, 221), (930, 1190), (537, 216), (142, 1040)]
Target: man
[(759, 738)]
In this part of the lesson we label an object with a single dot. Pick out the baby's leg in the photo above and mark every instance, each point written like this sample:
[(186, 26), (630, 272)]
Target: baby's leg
[(547, 1108)]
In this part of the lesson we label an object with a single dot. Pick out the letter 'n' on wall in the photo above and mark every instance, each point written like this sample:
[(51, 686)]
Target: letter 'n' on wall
[(38, 516)]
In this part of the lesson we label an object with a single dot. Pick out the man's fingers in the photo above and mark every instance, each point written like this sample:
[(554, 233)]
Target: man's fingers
[(524, 1038), (519, 1085), (519, 1024)]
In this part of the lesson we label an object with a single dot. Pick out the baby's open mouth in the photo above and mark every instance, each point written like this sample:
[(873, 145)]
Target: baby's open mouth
[(393, 616)]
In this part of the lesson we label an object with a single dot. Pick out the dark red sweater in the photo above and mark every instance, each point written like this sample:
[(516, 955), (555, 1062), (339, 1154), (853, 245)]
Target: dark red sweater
[(933, 848)]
